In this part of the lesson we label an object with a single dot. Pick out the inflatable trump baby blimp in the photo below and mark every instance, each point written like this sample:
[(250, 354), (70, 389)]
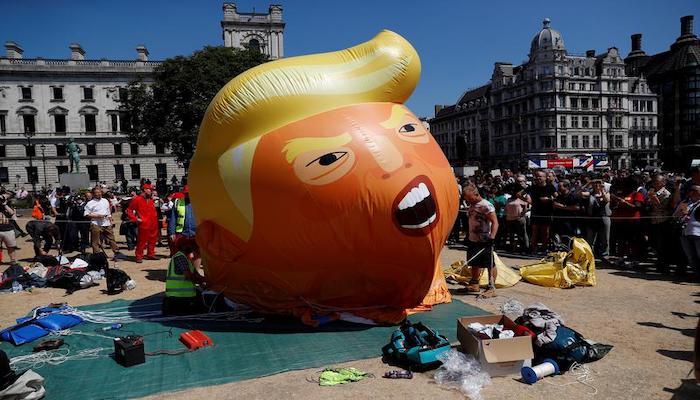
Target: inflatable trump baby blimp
[(318, 193)]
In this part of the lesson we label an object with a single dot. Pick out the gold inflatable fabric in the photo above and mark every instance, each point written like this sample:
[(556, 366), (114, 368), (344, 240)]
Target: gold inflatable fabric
[(564, 270), (460, 272), (317, 191)]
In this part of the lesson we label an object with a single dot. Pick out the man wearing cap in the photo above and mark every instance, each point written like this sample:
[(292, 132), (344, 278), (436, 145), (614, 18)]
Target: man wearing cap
[(181, 222), (142, 210)]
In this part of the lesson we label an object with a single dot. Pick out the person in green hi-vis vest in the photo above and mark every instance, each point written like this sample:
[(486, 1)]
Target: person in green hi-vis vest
[(181, 294)]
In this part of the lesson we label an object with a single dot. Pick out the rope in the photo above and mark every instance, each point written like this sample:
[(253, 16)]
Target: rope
[(38, 360), (582, 375)]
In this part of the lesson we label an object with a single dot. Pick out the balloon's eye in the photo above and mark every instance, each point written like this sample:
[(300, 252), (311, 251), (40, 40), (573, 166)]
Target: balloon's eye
[(329, 158), (408, 128)]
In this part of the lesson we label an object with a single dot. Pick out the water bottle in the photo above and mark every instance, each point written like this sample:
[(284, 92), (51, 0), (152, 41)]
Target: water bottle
[(130, 284), (16, 287), (111, 327)]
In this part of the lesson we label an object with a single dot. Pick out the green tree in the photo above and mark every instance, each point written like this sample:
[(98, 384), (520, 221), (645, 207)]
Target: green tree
[(168, 108)]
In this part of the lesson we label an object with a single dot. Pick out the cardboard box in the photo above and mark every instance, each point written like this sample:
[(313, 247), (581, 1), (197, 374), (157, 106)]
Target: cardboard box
[(498, 357)]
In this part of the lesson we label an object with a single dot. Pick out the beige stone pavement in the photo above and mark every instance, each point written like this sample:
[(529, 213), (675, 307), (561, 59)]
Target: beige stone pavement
[(650, 320)]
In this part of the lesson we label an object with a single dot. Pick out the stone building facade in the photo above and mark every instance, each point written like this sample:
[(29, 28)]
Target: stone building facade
[(562, 104), (675, 76), (44, 102), (262, 32)]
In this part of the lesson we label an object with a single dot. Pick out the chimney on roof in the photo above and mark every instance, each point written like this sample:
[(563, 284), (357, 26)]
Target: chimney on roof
[(590, 53), (13, 50), (76, 52), (636, 42), (687, 26), (230, 12), (438, 108), (142, 52)]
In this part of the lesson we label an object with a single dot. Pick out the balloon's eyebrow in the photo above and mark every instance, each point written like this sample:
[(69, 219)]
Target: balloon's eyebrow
[(397, 114), (296, 146)]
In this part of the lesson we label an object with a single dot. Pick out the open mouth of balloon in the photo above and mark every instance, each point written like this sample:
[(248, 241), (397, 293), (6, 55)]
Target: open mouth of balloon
[(415, 211)]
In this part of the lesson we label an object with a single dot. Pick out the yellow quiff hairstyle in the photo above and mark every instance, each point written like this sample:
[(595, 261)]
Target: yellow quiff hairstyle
[(274, 94)]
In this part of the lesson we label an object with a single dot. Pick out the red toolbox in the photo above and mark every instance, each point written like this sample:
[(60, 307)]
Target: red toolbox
[(195, 340)]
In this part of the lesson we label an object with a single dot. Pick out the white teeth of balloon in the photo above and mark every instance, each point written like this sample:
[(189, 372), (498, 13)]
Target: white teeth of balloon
[(403, 204), (417, 194), (411, 201), (414, 196), (422, 224), (424, 190)]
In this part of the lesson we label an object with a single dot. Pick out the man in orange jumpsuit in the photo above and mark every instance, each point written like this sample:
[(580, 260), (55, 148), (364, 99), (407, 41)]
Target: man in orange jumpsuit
[(142, 210)]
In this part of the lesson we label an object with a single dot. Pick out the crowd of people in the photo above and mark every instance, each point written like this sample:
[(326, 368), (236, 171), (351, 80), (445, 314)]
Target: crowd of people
[(70, 221), (628, 217)]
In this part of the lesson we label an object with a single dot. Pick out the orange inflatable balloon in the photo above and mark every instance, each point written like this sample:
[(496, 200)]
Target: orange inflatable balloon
[(317, 192)]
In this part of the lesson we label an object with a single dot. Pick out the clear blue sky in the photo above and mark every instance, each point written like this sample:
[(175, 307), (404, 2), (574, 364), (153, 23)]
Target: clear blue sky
[(458, 40)]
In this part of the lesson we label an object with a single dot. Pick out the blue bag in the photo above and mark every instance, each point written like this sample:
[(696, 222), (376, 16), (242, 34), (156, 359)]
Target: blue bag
[(23, 334), (57, 322)]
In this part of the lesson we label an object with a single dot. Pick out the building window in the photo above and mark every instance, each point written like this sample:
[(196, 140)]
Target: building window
[(596, 122), (88, 93), (618, 122), (60, 150), (584, 122), (3, 124), (596, 141), (26, 93), (618, 141), (161, 171), (134, 148), (586, 141), (90, 123), (650, 106), (91, 149), (32, 174), (160, 149), (117, 149), (61, 169), (60, 123), (123, 121), (30, 151), (562, 121), (57, 93), (574, 103), (635, 122), (135, 171), (595, 104), (574, 142), (113, 118), (584, 104), (118, 172), (635, 105), (574, 121), (4, 175), (93, 173), (29, 126), (562, 141), (2, 151)]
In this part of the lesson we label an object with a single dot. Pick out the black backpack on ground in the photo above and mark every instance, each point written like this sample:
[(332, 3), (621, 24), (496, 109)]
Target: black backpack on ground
[(116, 279)]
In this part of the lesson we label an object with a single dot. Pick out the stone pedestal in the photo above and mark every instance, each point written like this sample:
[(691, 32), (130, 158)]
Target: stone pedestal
[(75, 181)]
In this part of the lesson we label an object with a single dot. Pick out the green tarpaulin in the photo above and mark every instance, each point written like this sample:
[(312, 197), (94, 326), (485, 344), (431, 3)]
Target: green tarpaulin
[(242, 351)]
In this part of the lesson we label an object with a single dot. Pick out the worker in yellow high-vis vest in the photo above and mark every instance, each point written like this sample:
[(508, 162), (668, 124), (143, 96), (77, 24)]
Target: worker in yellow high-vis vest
[(181, 220), (181, 294)]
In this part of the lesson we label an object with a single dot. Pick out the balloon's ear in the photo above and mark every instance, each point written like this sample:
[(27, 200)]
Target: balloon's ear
[(217, 242)]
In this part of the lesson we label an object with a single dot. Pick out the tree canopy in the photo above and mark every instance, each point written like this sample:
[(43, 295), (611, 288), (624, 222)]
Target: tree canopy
[(169, 110)]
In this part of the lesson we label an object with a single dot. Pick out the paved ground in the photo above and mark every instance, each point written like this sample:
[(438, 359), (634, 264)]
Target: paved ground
[(649, 319)]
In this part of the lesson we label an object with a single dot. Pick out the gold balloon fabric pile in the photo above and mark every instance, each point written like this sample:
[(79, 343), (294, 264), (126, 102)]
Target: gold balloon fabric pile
[(564, 270), (318, 192), (460, 272)]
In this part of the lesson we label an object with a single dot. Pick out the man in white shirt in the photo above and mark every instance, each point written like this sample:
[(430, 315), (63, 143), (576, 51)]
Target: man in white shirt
[(99, 212)]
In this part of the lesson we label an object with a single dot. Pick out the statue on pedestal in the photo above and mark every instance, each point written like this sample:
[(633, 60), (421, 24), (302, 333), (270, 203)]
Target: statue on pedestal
[(73, 154)]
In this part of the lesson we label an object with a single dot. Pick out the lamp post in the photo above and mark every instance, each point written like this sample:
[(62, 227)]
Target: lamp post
[(30, 153), (43, 161)]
